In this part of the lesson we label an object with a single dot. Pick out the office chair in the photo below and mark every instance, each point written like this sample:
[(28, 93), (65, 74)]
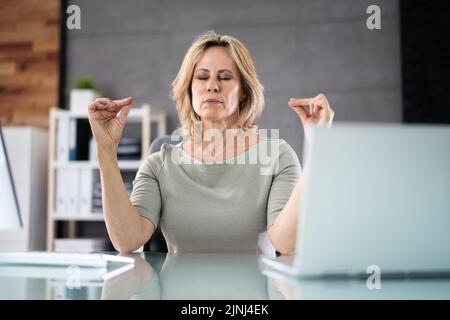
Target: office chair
[(157, 243)]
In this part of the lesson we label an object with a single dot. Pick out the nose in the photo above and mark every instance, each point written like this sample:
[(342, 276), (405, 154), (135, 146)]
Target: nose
[(213, 85)]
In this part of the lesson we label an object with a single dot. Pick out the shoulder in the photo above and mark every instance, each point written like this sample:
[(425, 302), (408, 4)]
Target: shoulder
[(153, 164), (281, 148), (157, 160), (282, 155), (285, 148), (288, 152)]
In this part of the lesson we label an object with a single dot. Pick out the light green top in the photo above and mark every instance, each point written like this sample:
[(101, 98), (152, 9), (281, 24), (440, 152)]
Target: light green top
[(215, 207)]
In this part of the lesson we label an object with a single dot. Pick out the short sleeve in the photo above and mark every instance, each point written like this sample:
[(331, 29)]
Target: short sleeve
[(146, 195), (283, 182)]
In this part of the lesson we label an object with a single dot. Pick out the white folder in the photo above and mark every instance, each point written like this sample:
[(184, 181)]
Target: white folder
[(85, 187), (72, 189), (62, 140), (61, 199), (72, 141)]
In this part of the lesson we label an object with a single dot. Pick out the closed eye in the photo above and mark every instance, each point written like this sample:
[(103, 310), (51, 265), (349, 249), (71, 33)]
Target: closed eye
[(206, 78)]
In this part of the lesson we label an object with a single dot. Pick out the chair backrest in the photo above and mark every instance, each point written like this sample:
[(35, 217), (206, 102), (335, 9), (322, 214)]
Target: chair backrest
[(157, 243)]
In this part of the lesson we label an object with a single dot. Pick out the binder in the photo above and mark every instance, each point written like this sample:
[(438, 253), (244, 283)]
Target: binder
[(72, 139), (72, 189), (62, 142), (61, 200), (85, 191)]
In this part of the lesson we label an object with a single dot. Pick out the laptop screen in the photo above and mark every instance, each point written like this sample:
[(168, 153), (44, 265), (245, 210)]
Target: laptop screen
[(9, 206)]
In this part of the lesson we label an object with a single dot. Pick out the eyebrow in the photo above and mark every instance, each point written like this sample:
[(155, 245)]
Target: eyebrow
[(220, 71)]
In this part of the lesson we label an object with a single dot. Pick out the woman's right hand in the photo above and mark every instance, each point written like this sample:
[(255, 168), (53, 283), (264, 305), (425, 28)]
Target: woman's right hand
[(107, 118)]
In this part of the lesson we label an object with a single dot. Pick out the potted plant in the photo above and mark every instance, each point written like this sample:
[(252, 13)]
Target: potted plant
[(83, 93)]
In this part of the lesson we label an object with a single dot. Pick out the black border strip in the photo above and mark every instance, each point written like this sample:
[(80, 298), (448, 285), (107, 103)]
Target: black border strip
[(62, 55)]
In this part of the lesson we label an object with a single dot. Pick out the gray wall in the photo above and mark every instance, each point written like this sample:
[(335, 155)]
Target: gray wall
[(300, 47)]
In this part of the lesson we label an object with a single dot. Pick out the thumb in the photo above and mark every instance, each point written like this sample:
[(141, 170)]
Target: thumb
[(123, 114)]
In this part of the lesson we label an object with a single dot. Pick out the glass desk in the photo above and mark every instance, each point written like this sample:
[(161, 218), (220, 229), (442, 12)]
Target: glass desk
[(198, 276)]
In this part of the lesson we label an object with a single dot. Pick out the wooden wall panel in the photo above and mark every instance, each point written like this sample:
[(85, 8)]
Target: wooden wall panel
[(29, 60)]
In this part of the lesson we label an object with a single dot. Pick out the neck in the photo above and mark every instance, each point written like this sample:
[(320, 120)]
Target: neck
[(220, 142), (208, 129)]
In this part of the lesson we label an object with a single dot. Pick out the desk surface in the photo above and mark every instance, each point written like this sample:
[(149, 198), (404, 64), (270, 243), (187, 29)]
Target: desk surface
[(198, 276)]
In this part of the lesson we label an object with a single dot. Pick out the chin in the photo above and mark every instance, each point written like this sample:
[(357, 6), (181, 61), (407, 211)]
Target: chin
[(213, 116)]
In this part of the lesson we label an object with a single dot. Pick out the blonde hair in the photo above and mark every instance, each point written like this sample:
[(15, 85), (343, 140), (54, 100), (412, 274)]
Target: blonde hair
[(253, 102)]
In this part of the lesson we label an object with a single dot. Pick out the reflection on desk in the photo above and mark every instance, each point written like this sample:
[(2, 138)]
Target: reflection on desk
[(155, 276), (191, 276), (357, 289), (201, 276)]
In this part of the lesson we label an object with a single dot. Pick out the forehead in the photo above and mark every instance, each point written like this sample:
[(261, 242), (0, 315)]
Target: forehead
[(216, 58)]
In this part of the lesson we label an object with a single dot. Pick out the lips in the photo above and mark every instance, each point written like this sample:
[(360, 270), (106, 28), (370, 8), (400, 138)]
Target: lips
[(212, 101)]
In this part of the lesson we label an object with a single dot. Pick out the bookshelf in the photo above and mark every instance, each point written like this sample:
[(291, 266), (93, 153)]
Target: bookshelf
[(74, 195)]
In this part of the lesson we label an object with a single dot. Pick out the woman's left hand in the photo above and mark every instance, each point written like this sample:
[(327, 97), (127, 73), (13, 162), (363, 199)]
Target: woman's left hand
[(319, 113)]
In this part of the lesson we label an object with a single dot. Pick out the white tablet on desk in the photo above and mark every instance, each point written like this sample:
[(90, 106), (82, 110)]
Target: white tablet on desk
[(62, 259), (55, 265)]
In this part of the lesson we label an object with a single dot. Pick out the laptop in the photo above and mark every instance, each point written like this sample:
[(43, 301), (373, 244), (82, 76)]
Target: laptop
[(376, 197), (10, 219)]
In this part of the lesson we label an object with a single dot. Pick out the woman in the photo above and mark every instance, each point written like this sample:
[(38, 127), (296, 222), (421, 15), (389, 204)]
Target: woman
[(206, 202)]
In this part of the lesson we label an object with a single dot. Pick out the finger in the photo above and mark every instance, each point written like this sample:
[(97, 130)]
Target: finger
[(323, 114), (312, 108), (123, 114), (95, 106), (108, 112), (112, 106), (326, 116), (299, 102), (318, 107), (323, 101), (107, 104), (124, 102), (99, 105), (301, 112), (104, 101), (92, 106), (103, 115)]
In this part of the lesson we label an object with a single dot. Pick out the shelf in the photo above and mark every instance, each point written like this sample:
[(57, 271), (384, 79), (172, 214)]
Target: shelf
[(123, 164), (74, 201), (90, 217)]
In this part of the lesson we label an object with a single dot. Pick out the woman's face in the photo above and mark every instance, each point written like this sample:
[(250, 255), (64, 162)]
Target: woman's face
[(216, 86)]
